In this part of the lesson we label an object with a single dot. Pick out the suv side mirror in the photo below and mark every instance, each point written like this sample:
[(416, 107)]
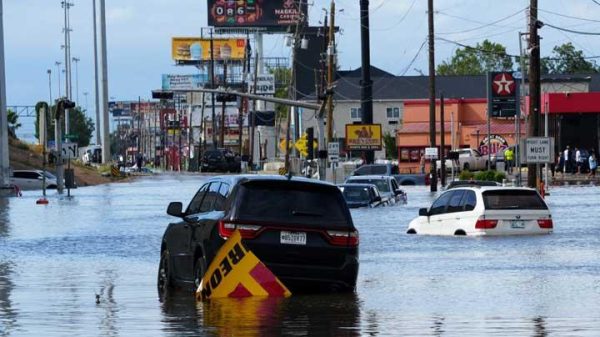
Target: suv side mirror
[(377, 198), (423, 212), (398, 191), (175, 209)]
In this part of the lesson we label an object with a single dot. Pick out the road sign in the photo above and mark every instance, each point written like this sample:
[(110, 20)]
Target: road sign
[(69, 150), (431, 152), (539, 150), (333, 152)]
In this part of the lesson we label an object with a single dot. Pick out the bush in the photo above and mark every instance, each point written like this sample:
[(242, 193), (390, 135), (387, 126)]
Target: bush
[(491, 175), (465, 175)]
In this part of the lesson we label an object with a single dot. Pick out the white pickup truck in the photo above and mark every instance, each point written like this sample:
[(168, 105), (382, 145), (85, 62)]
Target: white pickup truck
[(468, 159)]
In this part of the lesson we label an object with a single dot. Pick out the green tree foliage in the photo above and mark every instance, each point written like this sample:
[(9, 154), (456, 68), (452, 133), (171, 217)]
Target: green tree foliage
[(391, 150), (283, 78), (81, 127), (478, 60), (13, 122), (566, 59)]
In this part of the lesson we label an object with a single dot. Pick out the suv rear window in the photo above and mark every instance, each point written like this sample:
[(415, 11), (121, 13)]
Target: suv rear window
[(289, 202), (513, 199)]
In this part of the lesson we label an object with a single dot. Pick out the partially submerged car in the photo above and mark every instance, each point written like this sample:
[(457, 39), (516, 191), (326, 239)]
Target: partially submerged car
[(301, 229), (387, 185), (485, 211), (362, 195), (33, 179)]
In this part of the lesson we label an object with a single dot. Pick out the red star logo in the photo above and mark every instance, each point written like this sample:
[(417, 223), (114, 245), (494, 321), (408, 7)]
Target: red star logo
[(503, 84)]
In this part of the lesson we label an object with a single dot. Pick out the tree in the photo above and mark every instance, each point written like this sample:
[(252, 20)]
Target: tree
[(283, 78), (478, 60), (391, 149), (566, 59), (81, 126), (13, 123)]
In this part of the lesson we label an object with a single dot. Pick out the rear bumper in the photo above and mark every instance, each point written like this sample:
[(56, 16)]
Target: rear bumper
[(310, 279)]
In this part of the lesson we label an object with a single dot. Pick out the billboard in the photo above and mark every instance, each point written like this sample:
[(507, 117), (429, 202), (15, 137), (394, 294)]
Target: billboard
[(363, 137), (265, 84), (198, 49), (183, 82), (272, 14)]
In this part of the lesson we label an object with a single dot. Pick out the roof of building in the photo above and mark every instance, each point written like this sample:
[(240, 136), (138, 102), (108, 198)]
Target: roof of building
[(387, 86)]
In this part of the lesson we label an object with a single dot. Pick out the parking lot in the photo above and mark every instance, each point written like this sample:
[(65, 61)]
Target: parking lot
[(88, 266)]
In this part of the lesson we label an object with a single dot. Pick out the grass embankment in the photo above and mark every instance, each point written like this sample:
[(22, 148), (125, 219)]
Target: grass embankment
[(29, 157)]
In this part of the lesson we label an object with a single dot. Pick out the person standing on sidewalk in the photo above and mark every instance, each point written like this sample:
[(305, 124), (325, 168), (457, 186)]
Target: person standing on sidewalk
[(578, 160), (567, 160), (509, 157), (593, 164)]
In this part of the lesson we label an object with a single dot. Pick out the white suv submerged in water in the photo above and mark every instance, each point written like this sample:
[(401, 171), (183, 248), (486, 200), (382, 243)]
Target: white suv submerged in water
[(484, 211)]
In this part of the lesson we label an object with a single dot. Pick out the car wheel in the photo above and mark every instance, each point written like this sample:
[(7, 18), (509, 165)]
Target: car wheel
[(411, 231), (460, 232), (165, 279), (466, 167), (199, 271)]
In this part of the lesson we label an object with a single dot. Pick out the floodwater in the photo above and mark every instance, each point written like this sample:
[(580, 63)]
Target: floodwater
[(57, 260)]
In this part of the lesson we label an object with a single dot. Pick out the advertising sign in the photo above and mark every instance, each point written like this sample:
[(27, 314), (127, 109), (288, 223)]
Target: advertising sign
[(198, 49), (273, 14), (431, 152), (502, 94), (265, 84), (363, 137), (497, 143), (183, 82)]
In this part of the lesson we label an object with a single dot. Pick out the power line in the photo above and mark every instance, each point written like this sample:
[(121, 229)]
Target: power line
[(483, 25), (571, 30), (596, 2), (568, 16)]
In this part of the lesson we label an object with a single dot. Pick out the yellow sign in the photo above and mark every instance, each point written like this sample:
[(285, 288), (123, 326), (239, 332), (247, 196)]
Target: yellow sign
[(237, 272), (363, 137), (198, 49), (282, 145)]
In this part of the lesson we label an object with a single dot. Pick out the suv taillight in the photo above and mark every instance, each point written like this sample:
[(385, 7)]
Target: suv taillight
[(485, 224), (545, 223), (343, 238), (247, 231)]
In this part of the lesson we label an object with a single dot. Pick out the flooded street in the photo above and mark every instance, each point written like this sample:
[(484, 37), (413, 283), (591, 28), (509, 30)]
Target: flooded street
[(87, 266)]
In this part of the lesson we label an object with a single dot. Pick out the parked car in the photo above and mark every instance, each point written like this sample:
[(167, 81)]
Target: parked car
[(392, 170), (301, 229), (485, 211), (33, 179), (220, 160), (468, 160), (388, 187), (362, 195), (463, 183)]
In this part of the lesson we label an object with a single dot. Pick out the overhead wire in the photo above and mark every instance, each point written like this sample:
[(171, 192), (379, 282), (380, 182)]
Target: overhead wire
[(483, 25)]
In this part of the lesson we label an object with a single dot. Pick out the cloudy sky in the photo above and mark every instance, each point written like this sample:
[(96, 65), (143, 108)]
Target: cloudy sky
[(139, 36)]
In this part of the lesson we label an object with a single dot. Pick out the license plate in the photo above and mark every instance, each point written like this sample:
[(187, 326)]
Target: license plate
[(293, 238), (517, 224)]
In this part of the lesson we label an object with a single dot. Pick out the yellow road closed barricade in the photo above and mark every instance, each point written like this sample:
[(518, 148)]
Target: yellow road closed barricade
[(237, 272)]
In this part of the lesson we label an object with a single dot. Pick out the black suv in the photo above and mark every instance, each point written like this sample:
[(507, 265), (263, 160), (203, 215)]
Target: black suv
[(220, 160), (301, 229)]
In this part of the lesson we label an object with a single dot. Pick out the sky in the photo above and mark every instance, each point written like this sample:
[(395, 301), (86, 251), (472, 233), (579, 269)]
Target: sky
[(139, 36)]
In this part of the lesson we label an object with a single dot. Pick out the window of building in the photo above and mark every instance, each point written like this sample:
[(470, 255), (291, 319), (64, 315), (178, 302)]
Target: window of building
[(355, 113), (393, 113)]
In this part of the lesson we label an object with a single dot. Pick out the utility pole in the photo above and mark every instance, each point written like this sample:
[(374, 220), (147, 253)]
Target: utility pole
[(432, 94), (68, 87), (212, 86), (224, 105), (4, 158), (76, 60), (103, 58), (57, 64), (330, 70), (442, 142), (254, 107), (96, 82), (534, 87), (366, 96)]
